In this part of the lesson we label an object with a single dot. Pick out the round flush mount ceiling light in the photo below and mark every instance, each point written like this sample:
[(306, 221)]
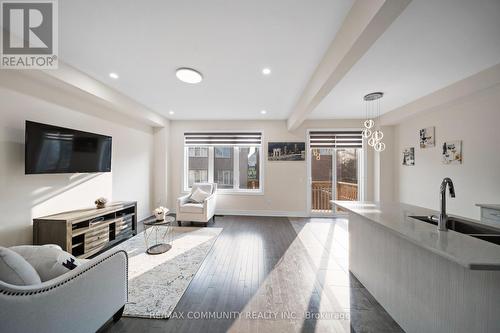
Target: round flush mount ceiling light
[(266, 71), (171, 112), (113, 76), (263, 111), (188, 75)]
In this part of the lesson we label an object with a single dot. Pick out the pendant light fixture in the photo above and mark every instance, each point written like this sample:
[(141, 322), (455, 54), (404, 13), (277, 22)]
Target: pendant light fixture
[(371, 130)]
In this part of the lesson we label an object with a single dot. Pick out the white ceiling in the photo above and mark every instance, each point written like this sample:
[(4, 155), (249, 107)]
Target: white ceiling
[(228, 41), (431, 45)]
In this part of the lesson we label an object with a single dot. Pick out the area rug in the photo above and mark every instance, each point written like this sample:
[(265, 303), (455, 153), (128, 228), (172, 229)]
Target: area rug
[(157, 282)]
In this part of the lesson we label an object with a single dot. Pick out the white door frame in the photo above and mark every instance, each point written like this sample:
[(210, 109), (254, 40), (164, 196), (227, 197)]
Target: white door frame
[(362, 173)]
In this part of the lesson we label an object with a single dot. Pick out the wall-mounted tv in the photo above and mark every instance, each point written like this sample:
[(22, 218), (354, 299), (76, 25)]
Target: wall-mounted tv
[(52, 149)]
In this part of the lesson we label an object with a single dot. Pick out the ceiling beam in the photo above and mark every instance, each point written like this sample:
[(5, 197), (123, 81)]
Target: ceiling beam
[(62, 84), (115, 99), (473, 84), (364, 24)]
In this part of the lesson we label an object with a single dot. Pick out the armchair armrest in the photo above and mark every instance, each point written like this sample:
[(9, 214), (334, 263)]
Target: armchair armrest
[(209, 205), (182, 200), (81, 300), (209, 199)]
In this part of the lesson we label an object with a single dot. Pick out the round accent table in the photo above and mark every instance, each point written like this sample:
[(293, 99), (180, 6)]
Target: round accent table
[(158, 241)]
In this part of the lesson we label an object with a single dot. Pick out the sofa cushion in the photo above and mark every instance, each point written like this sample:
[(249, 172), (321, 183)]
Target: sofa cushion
[(194, 208), (205, 187), (50, 261), (14, 269), (198, 196)]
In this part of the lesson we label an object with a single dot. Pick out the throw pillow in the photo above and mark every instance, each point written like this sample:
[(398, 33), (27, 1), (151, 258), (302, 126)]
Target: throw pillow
[(48, 260), (14, 269), (199, 196)]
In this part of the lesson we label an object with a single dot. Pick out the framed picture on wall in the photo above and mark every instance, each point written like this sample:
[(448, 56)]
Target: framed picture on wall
[(409, 156), (286, 151), (427, 137), (452, 152)]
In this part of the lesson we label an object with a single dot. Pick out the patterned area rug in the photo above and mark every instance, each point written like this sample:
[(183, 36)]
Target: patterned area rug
[(157, 282)]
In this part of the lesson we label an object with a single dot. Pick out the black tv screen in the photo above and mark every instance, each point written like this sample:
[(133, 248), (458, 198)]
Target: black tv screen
[(52, 149)]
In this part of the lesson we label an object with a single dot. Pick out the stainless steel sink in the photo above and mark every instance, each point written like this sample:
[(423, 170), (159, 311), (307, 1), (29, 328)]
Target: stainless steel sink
[(472, 229)]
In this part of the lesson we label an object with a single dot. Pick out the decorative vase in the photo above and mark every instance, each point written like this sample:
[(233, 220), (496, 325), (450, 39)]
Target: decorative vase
[(159, 213), (160, 216), (100, 202)]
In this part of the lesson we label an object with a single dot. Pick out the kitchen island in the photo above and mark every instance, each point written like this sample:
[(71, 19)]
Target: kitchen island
[(428, 280)]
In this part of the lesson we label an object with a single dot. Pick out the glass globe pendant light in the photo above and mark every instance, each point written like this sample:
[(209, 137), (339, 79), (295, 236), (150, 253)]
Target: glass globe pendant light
[(369, 123), (374, 136), (379, 146), (378, 135)]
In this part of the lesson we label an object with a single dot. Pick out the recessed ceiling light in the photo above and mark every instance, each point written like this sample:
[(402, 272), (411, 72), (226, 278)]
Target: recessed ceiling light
[(171, 112), (266, 71), (188, 75), (113, 76), (263, 111)]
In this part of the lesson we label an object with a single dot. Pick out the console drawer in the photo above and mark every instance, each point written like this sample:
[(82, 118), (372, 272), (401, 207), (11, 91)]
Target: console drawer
[(97, 232), (96, 243)]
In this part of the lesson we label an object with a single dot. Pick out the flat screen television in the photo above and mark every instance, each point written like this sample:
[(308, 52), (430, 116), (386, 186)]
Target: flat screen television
[(52, 149)]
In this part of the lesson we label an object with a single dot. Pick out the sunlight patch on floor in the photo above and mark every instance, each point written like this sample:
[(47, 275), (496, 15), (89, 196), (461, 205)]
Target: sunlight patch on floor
[(184, 240), (311, 266)]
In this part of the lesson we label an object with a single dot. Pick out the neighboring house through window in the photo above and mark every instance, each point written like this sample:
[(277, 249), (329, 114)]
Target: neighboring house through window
[(232, 160)]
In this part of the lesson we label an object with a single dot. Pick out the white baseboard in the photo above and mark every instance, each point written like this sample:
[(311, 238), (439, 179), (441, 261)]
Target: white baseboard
[(272, 213)]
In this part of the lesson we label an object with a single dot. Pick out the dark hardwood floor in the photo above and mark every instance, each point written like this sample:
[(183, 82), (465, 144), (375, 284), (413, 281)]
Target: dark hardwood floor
[(260, 276)]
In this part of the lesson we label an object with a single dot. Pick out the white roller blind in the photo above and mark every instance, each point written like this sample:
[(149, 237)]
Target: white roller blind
[(336, 139), (223, 138)]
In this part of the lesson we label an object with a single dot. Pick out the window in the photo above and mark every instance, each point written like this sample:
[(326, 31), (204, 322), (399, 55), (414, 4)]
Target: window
[(223, 152), (224, 178), (232, 160), (198, 152), (223, 167), (198, 165), (197, 176), (249, 168)]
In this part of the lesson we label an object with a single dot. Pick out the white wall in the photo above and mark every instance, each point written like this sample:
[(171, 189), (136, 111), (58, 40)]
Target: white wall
[(161, 136), (383, 168), (24, 197), (474, 120), (285, 183)]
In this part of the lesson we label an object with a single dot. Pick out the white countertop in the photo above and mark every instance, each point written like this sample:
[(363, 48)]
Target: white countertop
[(465, 250), (491, 206)]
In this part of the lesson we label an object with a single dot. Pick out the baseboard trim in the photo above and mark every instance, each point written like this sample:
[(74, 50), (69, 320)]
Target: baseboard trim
[(272, 213)]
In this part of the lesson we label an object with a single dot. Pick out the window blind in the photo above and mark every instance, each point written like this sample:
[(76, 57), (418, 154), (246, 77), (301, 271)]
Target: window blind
[(223, 138), (335, 139)]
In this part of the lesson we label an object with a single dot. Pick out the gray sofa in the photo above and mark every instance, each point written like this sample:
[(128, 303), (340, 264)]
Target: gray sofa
[(79, 301)]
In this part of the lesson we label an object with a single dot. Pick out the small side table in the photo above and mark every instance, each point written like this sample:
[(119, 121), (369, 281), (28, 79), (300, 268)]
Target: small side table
[(157, 240)]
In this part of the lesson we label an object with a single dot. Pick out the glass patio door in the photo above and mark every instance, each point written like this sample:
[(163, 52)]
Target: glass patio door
[(346, 177), (335, 170), (321, 181)]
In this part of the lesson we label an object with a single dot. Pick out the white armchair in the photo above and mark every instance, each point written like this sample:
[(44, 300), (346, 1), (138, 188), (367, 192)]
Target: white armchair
[(197, 212), (79, 301)]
